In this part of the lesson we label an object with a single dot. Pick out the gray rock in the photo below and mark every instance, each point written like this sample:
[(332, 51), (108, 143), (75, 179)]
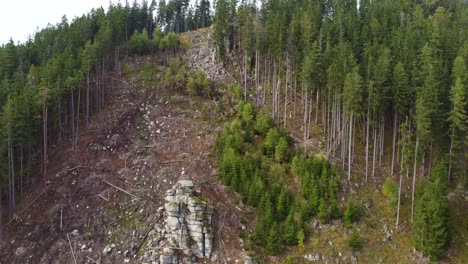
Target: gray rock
[(107, 250), (187, 223)]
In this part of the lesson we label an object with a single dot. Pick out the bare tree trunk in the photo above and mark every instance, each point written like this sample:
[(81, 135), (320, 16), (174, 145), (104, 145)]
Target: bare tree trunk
[(350, 144), (399, 200), (395, 131), (450, 157), (309, 115), (245, 77), (44, 134), (304, 88), (1, 222), (273, 107), (317, 102), (72, 114), (87, 99), (77, 118), (10, 186), (367, 142), (12, 160), (295, 96), (20, 185), (414, 177), (286, 97), (374, 154), (423, 163), (257, 61)]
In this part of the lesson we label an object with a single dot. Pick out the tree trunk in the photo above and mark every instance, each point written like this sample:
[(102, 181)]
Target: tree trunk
[(450, 157), (399, 200), (20, 184), (375, 152), (286, 98), (304, 88), (414, 177), (87, 99), (395, 131), (309, 115), (257, 60), (72, 114), (350, 144), (77, 118), (317, 106), (367, 142), (1, 222), (44, 133), (245, 77), (10, 188)]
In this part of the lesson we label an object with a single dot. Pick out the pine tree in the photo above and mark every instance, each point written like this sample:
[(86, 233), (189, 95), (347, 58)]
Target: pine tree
[(431, 217), (273, 244), (291, 228), (458, 116), (323, 214), (221, 27)]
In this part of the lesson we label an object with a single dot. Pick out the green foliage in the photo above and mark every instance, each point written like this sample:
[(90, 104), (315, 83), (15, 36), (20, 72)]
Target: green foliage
[(271, 139), (323, 214), (335, 210), (352, 213), (263, 123), (139, 42), (390, 190), (256, 168), (431, 215), (199, 84), (291, 229), (273, 245), (282, 151), (301, 238), (354, 241)]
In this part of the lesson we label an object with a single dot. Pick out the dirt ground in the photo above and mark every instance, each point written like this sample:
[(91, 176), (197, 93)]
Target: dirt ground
[(105, 194)]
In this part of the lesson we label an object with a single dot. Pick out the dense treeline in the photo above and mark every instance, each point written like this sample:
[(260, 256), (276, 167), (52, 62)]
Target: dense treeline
[(256, 159), (361, 72), (52, 83)]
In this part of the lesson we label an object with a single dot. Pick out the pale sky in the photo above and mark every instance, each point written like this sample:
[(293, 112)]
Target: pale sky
[(21, 18)]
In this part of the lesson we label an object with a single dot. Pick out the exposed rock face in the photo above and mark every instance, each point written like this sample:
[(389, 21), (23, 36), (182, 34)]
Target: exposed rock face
[(187, 224), (202, 55)]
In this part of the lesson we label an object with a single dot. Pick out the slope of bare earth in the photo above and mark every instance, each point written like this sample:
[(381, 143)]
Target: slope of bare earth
[(100, 199)]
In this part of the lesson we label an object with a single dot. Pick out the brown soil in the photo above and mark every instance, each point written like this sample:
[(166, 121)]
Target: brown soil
[(141, 142)]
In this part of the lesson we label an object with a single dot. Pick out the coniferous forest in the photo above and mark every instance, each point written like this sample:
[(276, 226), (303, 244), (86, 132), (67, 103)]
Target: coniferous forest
[(382, 83), (53, 82), (385, 79)]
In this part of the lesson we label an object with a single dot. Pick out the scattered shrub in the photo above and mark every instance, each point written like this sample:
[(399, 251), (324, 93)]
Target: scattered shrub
[(354, 242), (390, 190), (352, 213)]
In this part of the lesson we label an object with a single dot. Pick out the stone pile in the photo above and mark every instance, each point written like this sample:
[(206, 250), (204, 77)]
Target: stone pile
[(202, 55)]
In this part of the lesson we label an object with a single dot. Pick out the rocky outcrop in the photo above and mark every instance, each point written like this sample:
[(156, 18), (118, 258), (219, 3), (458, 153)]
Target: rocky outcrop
[(187, 226), (202, 55)]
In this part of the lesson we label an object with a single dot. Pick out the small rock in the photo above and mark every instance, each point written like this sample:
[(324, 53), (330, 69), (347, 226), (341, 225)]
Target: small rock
[(75, 232), (107, 250)]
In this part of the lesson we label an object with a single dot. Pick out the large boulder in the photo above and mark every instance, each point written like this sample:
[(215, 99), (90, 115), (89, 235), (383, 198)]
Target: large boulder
[(187, 224)]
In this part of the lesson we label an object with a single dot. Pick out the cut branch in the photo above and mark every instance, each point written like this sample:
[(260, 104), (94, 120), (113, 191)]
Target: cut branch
[(122, 190)]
